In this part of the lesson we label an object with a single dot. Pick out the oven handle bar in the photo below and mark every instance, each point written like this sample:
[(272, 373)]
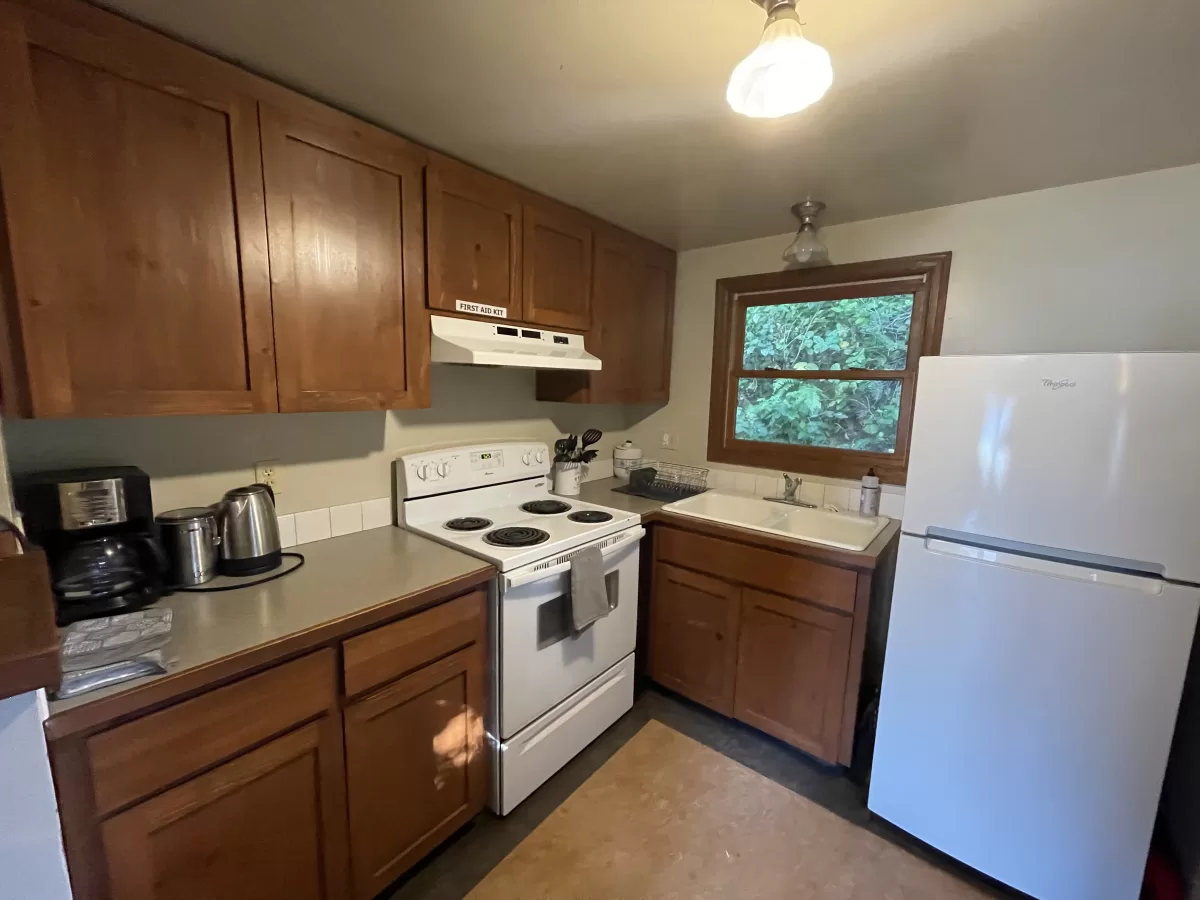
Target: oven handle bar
[(632, 536)]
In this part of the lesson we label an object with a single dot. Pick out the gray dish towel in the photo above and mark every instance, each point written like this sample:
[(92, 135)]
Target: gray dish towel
[(589, 594)]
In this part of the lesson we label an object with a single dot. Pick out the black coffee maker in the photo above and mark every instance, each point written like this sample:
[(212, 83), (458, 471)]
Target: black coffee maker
[(97, 528)]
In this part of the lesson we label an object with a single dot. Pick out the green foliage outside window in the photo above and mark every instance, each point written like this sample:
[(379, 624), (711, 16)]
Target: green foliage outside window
[(831, 335)]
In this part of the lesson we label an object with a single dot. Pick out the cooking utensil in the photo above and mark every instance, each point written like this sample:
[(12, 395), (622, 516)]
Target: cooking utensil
[(249, 531), (190, 539), (591, 436)]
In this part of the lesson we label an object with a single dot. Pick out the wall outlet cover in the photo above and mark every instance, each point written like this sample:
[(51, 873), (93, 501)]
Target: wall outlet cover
[(267, 472)]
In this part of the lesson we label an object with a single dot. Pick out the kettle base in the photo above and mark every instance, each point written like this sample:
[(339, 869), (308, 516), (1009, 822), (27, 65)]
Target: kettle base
[(251, 565)]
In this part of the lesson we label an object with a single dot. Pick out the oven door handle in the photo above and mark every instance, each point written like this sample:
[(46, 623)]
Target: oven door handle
[(632, 536)]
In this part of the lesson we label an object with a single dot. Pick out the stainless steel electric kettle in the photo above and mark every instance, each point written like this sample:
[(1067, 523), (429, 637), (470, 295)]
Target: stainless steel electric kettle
[(249, 531)]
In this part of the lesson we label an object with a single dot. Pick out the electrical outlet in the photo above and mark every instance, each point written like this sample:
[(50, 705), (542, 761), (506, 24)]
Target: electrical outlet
[(668, 441), (267, 472)]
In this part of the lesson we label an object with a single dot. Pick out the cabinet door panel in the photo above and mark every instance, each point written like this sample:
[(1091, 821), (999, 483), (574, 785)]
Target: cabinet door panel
[(694, 635), (633, 298), (474, 233), (649, 371), (269, 824), (345, 228), (793, 660), (415, 764), (557, 263), (135, 219)]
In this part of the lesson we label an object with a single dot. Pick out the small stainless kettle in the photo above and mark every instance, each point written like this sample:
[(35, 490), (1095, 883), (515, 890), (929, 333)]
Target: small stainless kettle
[(249, 531)]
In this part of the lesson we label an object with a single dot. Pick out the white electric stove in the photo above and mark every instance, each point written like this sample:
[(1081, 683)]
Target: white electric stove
[(552, 691)]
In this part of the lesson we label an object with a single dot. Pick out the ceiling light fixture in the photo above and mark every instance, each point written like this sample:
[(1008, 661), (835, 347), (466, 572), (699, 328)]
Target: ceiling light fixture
[(785, 73), (807, 250)]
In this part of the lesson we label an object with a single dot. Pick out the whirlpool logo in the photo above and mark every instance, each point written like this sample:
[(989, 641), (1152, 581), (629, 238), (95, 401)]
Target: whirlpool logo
[(1056, 384)]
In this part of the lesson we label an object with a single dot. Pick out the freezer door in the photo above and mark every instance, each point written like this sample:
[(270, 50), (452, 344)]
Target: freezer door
[(1088, 452), (1026, 714)]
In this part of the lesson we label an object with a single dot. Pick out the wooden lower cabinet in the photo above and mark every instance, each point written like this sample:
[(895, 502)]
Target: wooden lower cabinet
[(694, 636), (268, 824), (772, 638), (320, 778), (791, 671), (415, 766)]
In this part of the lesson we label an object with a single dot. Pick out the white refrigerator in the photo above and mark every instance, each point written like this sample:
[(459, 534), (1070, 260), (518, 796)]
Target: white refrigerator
[(1046, 594)]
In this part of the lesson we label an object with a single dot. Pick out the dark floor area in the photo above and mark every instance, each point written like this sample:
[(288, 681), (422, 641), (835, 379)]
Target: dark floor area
[(463, 861)]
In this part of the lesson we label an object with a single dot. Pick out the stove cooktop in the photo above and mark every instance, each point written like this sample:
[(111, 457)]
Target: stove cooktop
[(512, 525)]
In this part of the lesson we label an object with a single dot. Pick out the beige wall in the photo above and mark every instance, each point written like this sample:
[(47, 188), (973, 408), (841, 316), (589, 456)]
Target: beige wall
[(326, 458), (1109, 265)]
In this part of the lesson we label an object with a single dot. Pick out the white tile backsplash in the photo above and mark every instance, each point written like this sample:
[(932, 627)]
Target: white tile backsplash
[(726, 480), (287, 531), (376, 513), (312, 525), (744, 483), (812, 492), (765, 486), (838, 496), (892, 505), (345, 519)]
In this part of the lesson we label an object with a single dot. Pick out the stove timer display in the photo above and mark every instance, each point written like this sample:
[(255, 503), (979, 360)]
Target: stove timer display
[(488, 459)]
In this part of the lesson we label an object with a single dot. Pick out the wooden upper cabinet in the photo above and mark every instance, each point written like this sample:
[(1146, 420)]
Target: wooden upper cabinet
[(557, 265), (633, 300), (473, 228), (793, 660), (346, 234), (132, 187)]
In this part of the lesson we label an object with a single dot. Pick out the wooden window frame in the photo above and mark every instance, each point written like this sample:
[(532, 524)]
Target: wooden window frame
[(925, 277)]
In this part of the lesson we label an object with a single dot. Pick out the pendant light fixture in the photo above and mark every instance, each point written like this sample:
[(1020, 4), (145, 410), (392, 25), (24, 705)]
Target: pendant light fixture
[(785, 73), (807, 250)]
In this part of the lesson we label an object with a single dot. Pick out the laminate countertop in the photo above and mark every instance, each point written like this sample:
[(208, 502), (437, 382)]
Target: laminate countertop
[(347, 584), (602, 494)]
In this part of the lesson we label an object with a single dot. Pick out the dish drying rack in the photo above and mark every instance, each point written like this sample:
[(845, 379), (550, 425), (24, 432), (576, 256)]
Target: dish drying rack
[(665, 481)]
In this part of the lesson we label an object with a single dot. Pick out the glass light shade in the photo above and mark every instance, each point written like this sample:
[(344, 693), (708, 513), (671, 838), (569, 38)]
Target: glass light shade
[(806, 249), (785, 73)]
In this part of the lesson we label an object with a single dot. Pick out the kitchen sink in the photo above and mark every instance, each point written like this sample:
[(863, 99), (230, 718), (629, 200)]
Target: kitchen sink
[(818, 526)]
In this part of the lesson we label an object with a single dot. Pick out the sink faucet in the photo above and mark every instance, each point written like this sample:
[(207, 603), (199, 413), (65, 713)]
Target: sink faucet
[(791, 486)]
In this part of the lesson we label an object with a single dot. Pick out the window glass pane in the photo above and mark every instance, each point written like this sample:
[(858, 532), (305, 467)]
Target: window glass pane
[(864, 333), (819, 412)]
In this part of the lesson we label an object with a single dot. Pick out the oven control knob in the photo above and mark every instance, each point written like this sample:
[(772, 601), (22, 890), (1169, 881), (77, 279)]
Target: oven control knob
[(443, 469), (539, 457), (525, 458), (422, 471)]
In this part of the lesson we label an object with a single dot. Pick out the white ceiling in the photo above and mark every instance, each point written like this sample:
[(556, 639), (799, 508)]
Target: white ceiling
[(618, 106)]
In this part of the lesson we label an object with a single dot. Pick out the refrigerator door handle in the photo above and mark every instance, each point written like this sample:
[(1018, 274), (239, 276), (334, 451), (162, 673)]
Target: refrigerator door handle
[(1036, 565)]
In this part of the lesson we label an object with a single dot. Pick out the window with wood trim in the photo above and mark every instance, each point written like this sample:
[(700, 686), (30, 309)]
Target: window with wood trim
[(815, 370)]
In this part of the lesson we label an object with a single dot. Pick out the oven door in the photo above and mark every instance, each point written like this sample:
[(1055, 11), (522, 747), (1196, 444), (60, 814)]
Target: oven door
[(541, 660)]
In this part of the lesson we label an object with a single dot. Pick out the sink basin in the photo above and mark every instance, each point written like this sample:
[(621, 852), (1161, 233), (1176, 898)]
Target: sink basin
[(818, 526)]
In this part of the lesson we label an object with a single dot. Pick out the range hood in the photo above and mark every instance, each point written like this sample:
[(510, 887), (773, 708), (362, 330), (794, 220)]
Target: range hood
[(471, 343)]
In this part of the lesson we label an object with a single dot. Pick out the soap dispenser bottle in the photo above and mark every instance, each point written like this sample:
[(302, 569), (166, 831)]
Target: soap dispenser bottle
[(868, 505)]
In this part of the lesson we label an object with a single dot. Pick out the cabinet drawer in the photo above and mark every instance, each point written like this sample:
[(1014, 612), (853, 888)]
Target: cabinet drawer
[(393, 650), (140, 757), (754, 566)]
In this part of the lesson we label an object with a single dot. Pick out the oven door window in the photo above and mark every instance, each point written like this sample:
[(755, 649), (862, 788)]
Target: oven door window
[(554, 616)]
